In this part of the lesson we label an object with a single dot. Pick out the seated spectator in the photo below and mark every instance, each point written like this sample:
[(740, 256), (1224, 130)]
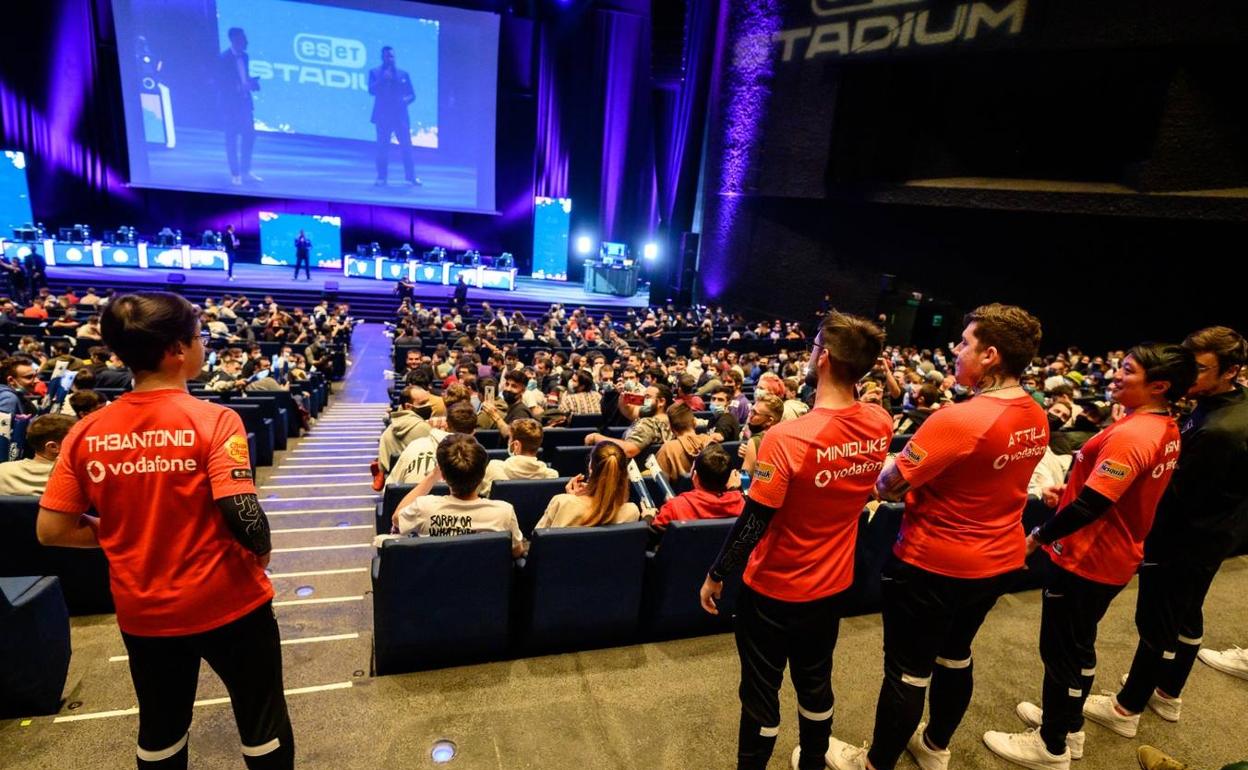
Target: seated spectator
[(115, 374), (84, 402), (600, 499), (1064, 393), (461, 461), (29, 477), (676, 455), (526, 440), (765, 413), (794, 407), (1049, 476), (710, 497), (583, 398), (61, 351), (927, 401), (17, 385), (650, 428), (407, 423), (686, 387), (419, 458), (724, 422), (1079, 429), (83, 380)]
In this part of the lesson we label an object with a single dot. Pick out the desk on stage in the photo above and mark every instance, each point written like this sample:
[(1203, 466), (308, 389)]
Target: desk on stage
[(99, 254), (439, 273), (606, 278)]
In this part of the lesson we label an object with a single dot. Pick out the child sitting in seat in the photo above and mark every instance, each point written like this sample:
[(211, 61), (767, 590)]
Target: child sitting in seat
[(526, 440), (461, 462), (710, 497)]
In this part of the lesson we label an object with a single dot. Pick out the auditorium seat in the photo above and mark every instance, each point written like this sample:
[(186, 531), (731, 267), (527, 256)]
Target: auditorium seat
[(581, 587), (34, 646), (555, 437), (529, 497), (876, 534), (732, 448), (585, 421), (1039, 568), (674, 576), (899, 442), (441, 601), (83, 572), (570, 460), (255, 422)]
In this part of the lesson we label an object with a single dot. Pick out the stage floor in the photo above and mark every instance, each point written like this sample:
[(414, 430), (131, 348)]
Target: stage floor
[(252, 278)]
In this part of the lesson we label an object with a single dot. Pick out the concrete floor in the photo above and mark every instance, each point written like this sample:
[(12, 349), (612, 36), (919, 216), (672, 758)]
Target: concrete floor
[(645, 707)]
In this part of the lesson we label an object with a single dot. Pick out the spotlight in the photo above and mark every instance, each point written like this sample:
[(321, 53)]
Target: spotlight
[(443, 752), (584, 244), (650, 250)]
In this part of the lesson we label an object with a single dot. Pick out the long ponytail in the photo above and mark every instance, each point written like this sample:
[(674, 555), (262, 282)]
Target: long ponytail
[(607, 487)]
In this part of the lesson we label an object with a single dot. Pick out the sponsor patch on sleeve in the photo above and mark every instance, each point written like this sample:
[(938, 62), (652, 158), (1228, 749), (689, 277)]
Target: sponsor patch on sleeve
[(1114, 470), (764, 472), (236, 449), (241, 473), (914, 453)]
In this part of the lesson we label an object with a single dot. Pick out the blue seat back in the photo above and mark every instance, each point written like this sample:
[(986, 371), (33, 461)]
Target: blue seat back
[(876, 534), (34, 646), (674, 575), (569, 460), (528, 497), (83, 572), (441, 600), (582, 587), (553, 437)]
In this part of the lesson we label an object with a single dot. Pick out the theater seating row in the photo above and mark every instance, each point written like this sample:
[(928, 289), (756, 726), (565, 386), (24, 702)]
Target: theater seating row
[(34, 646)]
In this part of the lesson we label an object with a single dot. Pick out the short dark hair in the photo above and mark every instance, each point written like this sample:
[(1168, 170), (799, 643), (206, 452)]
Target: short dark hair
[(461, 417), (528, 432), (1166, 362), (48, 427), (84, 379), (853, 345), (686, 384), (8, 367), (713, 466), (141, 327), (515, 376), (929, 394), (681, 417), (1226, 344), (235, 32), (1014, 332), (85, 402), (462, 461), (665, 392)]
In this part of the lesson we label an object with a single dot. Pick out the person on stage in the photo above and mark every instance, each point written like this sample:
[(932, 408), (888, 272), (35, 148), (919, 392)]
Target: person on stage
[(796, 539), (303, 247), (231, 244), (1095, 543), (186, 539), (460, 297), (963, 477), (237, 109), (392, 90)]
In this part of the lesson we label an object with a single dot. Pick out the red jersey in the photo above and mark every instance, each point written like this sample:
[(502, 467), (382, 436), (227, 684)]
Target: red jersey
[(818, 472), (152, 464), (700, 504), (1130, 462), (968, 466)]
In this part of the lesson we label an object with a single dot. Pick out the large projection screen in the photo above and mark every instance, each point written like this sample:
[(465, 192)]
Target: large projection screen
[(291, 98)]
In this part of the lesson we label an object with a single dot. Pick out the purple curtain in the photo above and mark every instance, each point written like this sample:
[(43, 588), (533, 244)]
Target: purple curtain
[(552, 156)]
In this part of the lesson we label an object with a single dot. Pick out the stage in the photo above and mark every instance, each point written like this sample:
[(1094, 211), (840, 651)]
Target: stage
[(373, 299)]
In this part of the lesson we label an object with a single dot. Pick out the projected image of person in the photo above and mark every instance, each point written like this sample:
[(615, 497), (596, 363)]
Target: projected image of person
[(237, 109), (392, 90)]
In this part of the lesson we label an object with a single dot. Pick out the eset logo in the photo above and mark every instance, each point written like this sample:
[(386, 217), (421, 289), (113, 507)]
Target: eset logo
[(329, 51)]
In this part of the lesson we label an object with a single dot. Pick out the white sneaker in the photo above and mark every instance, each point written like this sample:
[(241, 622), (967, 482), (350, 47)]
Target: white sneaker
[(1026, 749), (1103, 709), (1233, 661), (842, 756), (1166, 708), (925, 756), (1032, 715)]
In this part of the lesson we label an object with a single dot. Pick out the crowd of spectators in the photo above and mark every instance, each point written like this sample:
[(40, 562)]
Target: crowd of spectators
[(55, 369), (681, 383)]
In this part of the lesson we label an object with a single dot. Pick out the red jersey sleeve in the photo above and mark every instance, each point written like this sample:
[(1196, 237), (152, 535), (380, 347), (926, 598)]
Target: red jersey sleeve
[(229, 462), (773, 468), (1124, 457), (65, 492), (939, 442)]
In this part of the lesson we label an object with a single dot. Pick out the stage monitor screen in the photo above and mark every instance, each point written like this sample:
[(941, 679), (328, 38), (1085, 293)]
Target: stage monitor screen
[(14, 194), (552, 218), (279, 231), (371, 101)]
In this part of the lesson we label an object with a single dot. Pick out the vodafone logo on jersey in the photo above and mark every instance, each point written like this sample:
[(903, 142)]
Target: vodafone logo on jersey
[(95, 471)]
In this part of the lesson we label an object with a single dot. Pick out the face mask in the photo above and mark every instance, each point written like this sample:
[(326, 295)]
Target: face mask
[(423, 412), (647, 408), (532, 385), (510, 397), (717, 408), (1055, 423)]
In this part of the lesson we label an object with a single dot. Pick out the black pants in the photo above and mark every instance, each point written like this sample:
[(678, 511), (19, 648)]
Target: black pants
[(301, 260), (247, 655), (1170, 621), (1073, 607), (771, 633), (930, 622), (240, 139), (403, 131)]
